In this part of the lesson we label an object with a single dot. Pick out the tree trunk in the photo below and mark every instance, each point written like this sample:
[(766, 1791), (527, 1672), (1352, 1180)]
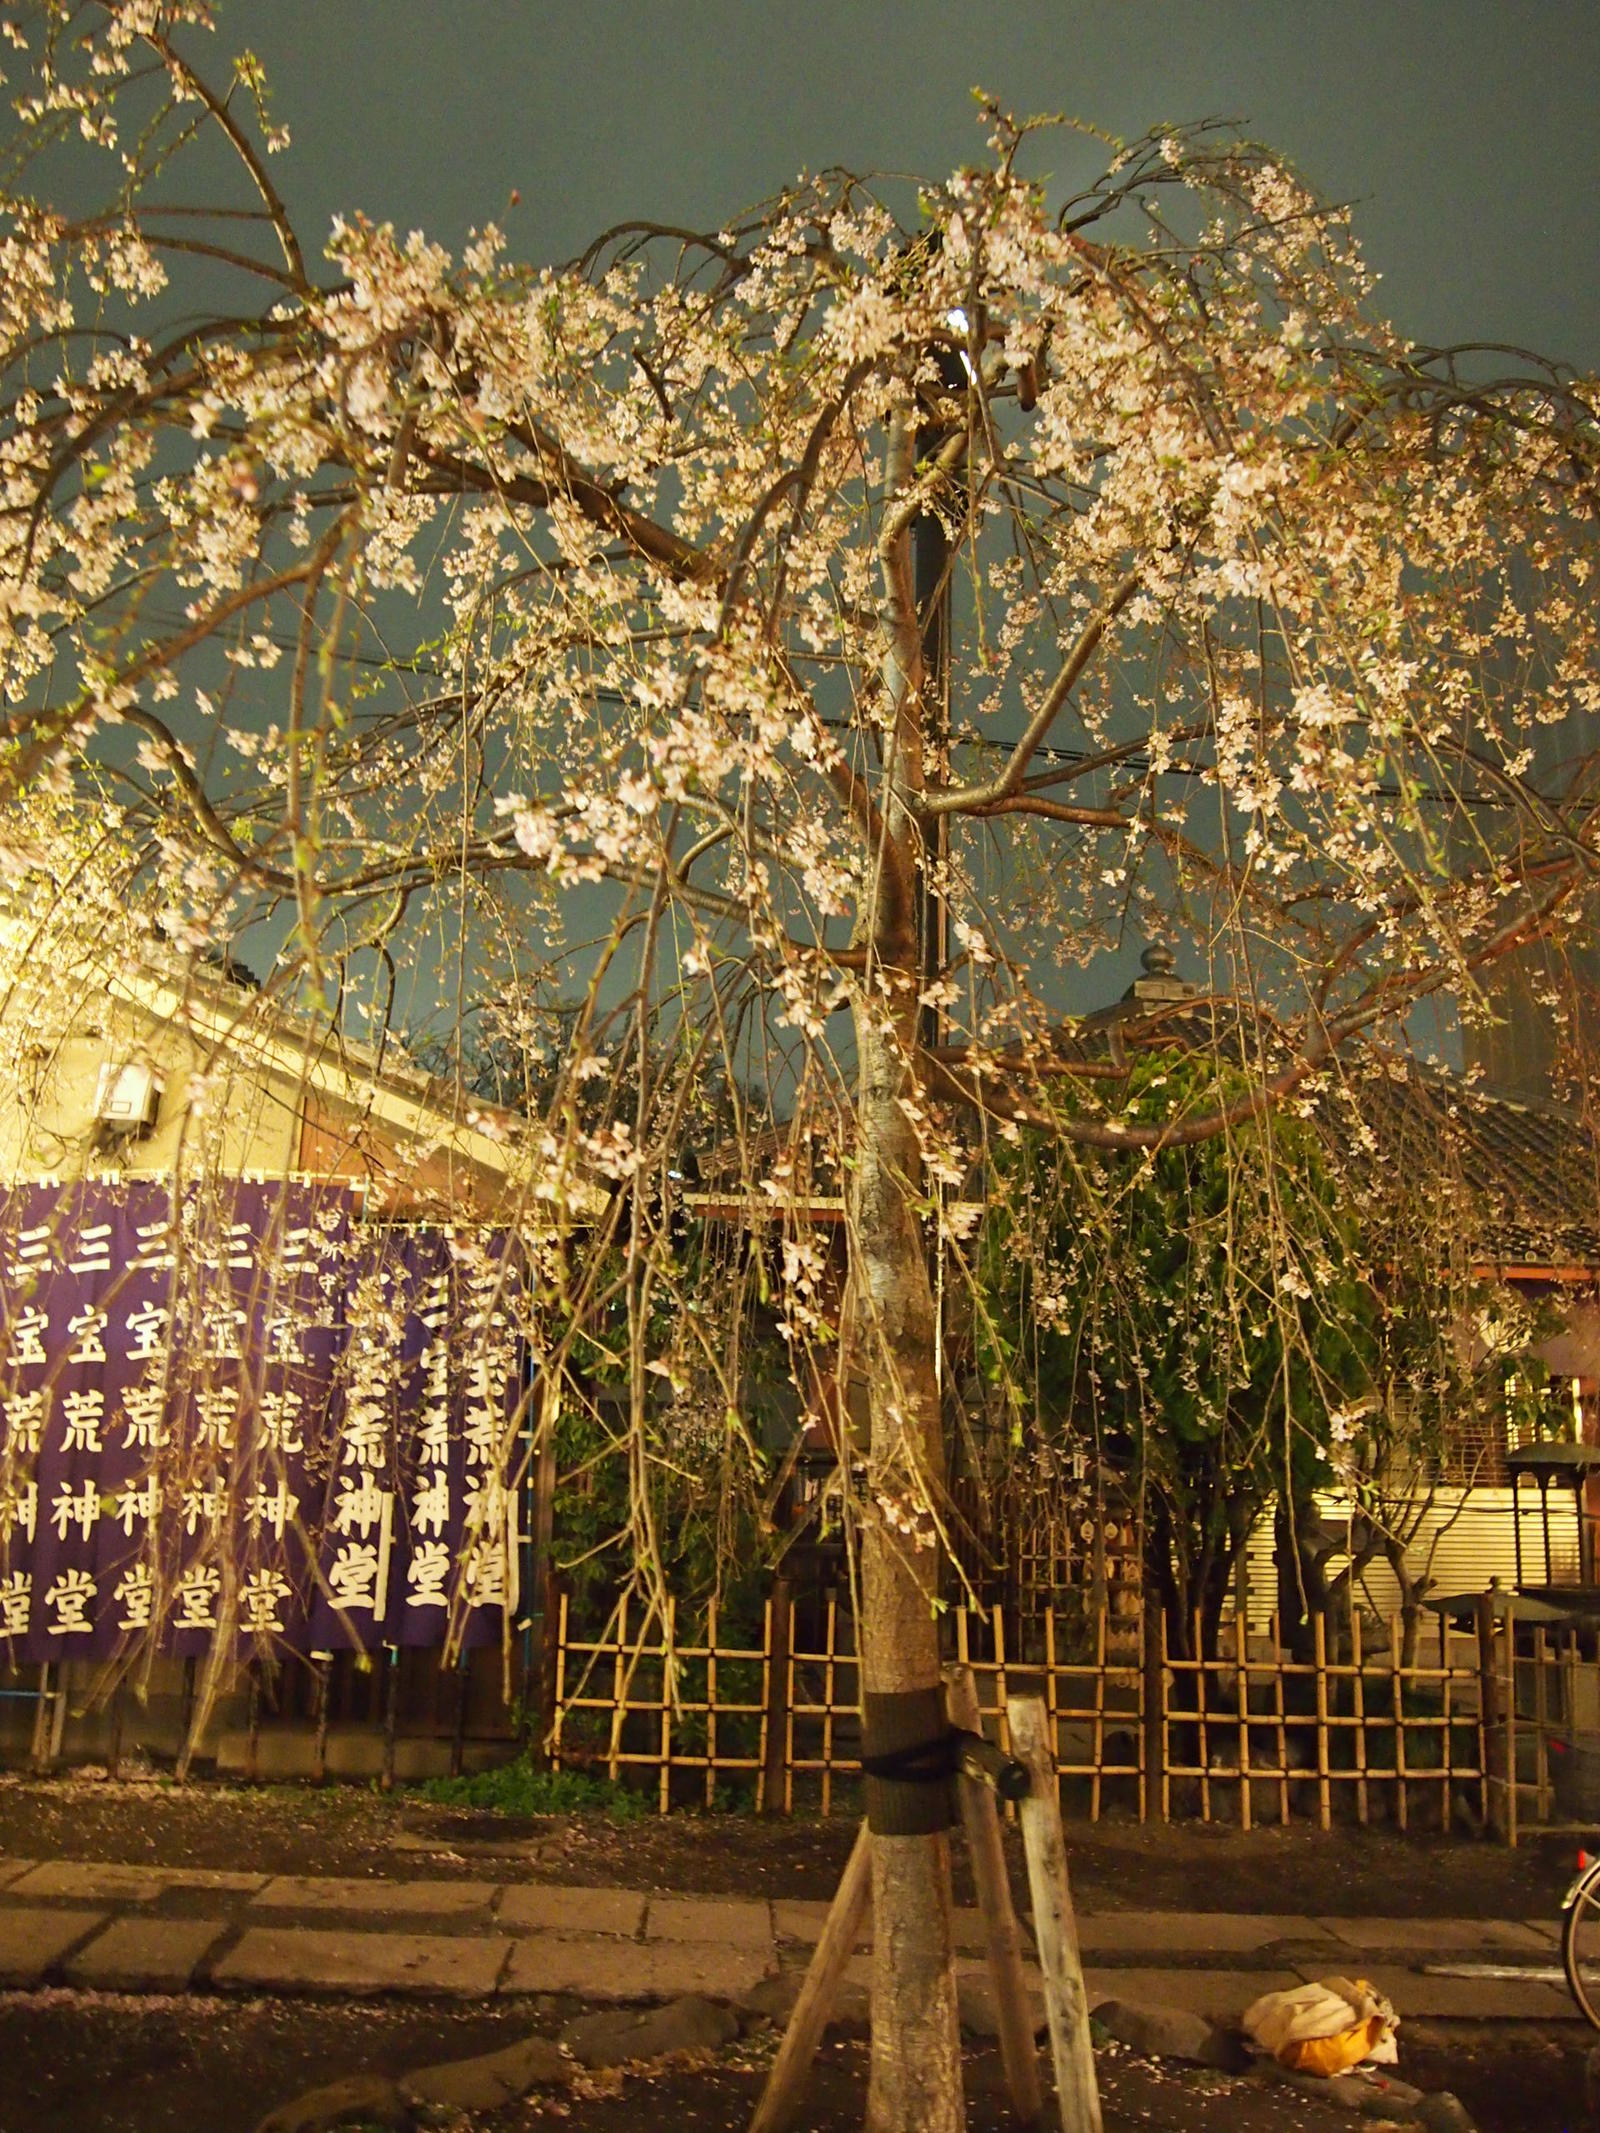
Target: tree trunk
[(915, 2082)]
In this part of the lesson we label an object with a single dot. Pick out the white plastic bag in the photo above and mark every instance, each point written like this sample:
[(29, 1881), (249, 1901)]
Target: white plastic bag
[(1324, 2028)]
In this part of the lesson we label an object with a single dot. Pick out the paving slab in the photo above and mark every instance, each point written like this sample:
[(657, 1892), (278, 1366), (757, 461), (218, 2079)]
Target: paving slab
[(1441, 1937), (315, 1959), (801, 1918), (394, 1899), (104, 1881), (598, 1967), (1472, 1999), (1223, 1995), (88, 1881), (34, 1941), (14, 1869), (727, 1921), (145, 1954), (544, 1908), (1168, 1933)]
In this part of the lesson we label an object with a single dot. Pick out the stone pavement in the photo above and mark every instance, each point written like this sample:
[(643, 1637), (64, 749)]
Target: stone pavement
[(167, 1929)]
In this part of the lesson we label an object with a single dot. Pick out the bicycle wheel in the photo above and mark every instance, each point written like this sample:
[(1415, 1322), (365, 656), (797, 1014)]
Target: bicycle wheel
[(1580, 1943)]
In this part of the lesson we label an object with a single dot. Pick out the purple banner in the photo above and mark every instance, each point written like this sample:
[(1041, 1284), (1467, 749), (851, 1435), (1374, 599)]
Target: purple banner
[(245, 1413)]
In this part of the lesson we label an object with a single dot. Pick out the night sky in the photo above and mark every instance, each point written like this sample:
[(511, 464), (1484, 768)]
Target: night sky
[(1462, 130)]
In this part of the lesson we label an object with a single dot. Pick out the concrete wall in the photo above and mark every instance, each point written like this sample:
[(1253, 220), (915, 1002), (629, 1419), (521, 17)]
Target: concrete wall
[(237, 1118)]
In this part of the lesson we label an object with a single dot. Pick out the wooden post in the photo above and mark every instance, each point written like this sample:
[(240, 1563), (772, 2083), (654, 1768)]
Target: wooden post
[(1541, 1724), (619, 1683), (1054, 1928), (781, 2096), (458, 1715), (1278, 1713), (1508, 1709), (58, 1714), (42, 1710), (780, 1618), (980, 1819), (542, 1569), (252, 1765), (1099, 1708), (1152, 1687), (1319, 1653), (1401, 1804), (1358, 1687), (1241, 1662), (114, 1753), (319, 1744), (1492, 1751), (391, 1717)]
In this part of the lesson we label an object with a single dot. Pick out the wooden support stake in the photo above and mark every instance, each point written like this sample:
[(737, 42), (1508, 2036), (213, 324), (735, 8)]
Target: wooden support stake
[(781, 2096), (980, 1819), (1054, 1927)]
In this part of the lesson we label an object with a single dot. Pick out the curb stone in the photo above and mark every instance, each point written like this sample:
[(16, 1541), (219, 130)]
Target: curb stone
[(608, 2038), (616, 2037), (360, 2099)]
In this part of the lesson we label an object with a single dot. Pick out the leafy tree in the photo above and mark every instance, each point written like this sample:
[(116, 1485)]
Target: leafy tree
[(801, 642), (1198, 1316)]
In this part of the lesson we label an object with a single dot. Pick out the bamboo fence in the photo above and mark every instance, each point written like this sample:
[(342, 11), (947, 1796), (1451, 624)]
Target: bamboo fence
[(1469, 1732)]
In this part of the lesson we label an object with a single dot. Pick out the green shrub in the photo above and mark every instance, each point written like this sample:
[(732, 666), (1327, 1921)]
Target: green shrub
[(518, 1788)]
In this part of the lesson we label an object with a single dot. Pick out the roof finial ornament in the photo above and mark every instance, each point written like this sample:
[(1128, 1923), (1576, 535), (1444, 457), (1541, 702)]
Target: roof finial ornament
[(1159, 983)]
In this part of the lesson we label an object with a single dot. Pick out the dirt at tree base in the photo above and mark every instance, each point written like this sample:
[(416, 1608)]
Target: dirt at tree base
[(1116, 1864), (99, 2063)]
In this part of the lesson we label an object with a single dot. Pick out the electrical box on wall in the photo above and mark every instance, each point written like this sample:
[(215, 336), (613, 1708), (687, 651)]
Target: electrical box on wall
[(127, 1097)]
